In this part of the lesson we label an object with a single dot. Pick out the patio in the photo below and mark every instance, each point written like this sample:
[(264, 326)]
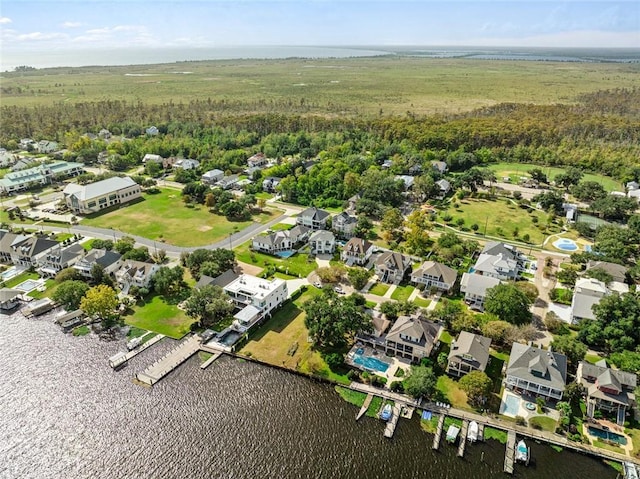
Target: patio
[(513, 405)]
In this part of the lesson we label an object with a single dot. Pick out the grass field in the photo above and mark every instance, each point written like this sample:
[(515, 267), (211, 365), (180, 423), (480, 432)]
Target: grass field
[(452, 393), (516, 170), (501, 217), (296, 265), (543, 423), (164, 217), (386, 85), (379, 289), (402, 293), (155, 314)]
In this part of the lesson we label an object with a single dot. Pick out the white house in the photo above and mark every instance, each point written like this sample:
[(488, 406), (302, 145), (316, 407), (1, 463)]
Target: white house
[(277, 241), (186, 164), (109, 261), (46, 146), (211, 177), (356, 252), (322, 242), (588, 292), (444, 187), (536, 371), (270, 183), (135, 273), (60, 258), (85, 199), (435, 275), (313, 218), (24, 250), (344, 224), (152, 131), (474, 287), (255, 297), (257, 160), (391, 267)]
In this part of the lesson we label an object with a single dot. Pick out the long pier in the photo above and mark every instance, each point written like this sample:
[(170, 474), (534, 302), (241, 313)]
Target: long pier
[(169, 362), (122, 358), (391, 425), (365, 406), (463, 437), (436, 438), (509, 453), (213, 357)]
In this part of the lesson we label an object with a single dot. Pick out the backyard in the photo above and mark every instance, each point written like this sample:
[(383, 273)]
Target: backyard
[(165, 218), (156, 314), (297, 265)]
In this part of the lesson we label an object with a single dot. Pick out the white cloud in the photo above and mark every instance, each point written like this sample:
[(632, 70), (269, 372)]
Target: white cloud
[(4, 20), (71, 24)]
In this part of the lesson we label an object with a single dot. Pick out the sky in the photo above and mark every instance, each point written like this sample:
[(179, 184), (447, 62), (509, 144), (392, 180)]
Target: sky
[(30, 26)]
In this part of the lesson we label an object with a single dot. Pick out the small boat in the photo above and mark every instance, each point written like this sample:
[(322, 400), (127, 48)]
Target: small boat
[(522, 452), (452, 433), (472, 433), (386, 413)]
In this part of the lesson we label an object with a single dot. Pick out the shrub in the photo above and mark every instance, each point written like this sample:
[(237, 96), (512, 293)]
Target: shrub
[(334, 360), (353, 375), (520, 421), (397, 386)]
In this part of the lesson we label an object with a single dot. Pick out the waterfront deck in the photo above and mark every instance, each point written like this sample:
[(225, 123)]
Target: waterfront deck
[(365, 406), (170, 361), (120, 360), (510, 451), (438, 436), (463, 438), (391, 425), (214, 356), (481, 431)]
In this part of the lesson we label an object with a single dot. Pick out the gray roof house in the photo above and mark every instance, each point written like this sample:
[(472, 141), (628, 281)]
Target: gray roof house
[(412, 338), (496, 248), (607, 389), (211, 177), (587, 292), (9, 298), (391, 267), (322, 242), (500, 266), (186, 164), (470, 352), (536, 371), (344, 224), (228, 181), (444, 187), (270, 183), (60, 258), (24, 250), (109, 261), (617, 271), (435, 275), (280, 240), (135, 273), (357, 251), (221, 280), (474, 287), (440, 166), (313, 218)]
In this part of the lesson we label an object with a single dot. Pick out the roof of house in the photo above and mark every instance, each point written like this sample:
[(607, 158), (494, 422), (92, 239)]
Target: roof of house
[(393, 261), (582, 306), (495, 248), (612, 379), (438, 270), (213, 173), (426, 332), (345, 218), (617, 271), (221, 280), (38, 173), (537, 365), (496, 264), (7, 294), (314, 214), (477, 284), (443, 184), (586, 285), (357, 246), (65, 254), (471, 347), (99, 188), (441, 166), (322, 235)]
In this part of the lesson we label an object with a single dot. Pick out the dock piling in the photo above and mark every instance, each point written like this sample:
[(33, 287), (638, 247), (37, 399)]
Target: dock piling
[(436, 438)]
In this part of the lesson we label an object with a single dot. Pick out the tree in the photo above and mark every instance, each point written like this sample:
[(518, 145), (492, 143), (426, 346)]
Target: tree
[(549, 201), (364, 226), (573, 391), (391, 224), (508, 303), (66, 275), (529, 289), (627, 361), (477, 385), (616, 325), (124, 244), (588, 191), (417, 237), (498, 331), (573, 349), (98, 275), (100, 301), (567, 276), (358, 277), (209, 305), (223, 259), (332, 319), (393, 309), (599, 274), (615, 208), (169, 281), (421, 382), (69, 294), (538, 175), (571, 176), (153, 169)]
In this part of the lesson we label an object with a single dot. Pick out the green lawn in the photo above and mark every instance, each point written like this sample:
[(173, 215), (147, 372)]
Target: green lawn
[(155, 314), (379, 289), (296, 265), (16, 280), (592, 358), (51, 286), (81, 331), (451, 392), (402, 293), (501, 217), (494, 368), (164, 217), (281, 227), (544, 423), (421, 302), (562, 295), (446, 337), (516, 170), (63, 236), (496, 434)]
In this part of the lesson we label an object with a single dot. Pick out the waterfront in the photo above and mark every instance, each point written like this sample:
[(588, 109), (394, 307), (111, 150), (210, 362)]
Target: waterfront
[(66, 414)]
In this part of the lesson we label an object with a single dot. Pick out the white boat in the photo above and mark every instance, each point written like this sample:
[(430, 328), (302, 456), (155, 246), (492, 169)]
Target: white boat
[(522, 452), (452, 433), (386, 413), (472, 433)]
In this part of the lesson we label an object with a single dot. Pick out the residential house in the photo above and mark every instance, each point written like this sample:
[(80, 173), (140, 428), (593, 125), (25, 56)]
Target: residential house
[(415, 169), (313, 218), (186, 164), (257, 160), (499, 260), (39, 175), (256, 298), (440, 166), (608, 390), (469, 352), (277, 241), (24, 250), (9, 299), (386, 164), (353, 202), (228, 182), (495, 248), (412, 337), (356, 252), (632, 185), (391, 267), (86, 199), (444, 186), (475, 287), (634, 194), (617, 272), (150, 157), (536, 371), (270, 183), (152, 131), (435, 275), (104, 134), (376, 338), (135, 273), (570, 212), (22, 163), (7, 158), (406, 180), (60, 258), (27, 144), (322, 242), (108, 261), (344, 225), (211, 177), (221, 280), (46, 146), (588, 292)]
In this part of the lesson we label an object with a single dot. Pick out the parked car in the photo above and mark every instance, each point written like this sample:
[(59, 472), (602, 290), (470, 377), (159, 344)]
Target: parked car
[(318, 284), (339, 290)]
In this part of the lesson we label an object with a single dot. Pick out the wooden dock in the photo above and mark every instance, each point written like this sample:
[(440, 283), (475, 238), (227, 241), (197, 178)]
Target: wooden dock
[(214, 356), (436, 438), (463, 438), (509, 454), (481, 432), (121, 359), (170, 361), (391, 425), (365, 406)]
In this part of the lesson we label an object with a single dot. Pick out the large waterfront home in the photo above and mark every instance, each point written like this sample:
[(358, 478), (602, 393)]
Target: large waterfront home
[(475, 287), (59, 258), (39, 175), (536, 371), (356, 252), (255, 298), (108, 261), (412, 337), (391, 267), (313, 218), (435, 275), (469, 352), (135, 273), (24, 250), (608, 390), (85, 199), (344, 224), (277, 241), (322, 242)]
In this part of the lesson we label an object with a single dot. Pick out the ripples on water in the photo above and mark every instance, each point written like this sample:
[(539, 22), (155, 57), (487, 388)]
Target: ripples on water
[(65, 414)]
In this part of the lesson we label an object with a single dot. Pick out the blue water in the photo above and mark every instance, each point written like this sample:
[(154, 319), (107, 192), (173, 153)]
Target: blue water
[(511, 406), (565, 244), (608, 435), (285, 254), (372, 364), (587, 248)]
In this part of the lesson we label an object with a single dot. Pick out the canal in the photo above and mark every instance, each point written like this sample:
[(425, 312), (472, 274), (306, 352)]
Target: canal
[(65, 414)]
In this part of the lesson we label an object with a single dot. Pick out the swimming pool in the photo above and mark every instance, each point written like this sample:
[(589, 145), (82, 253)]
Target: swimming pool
[(10, 273), (565, 244), (510, 406), (607, 435), (369, 363), (285, 254), (28, 285)]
